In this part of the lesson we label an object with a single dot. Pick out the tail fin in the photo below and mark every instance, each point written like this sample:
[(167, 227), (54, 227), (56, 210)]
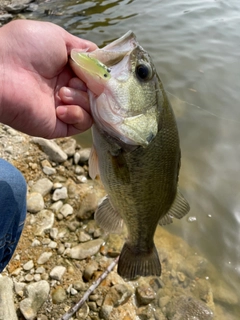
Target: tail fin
[(132, 264)]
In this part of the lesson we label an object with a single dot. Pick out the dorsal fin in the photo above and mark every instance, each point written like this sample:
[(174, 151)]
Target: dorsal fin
[(93, 163), (179, 209), (107, 217)]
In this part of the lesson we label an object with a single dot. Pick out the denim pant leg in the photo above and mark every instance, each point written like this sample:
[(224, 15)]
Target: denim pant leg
[(13, 190)]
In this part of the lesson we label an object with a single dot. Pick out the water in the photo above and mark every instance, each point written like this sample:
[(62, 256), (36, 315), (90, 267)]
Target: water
[(195, 46)]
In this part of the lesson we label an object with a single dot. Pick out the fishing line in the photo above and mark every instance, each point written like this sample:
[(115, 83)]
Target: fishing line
[(201, 108)]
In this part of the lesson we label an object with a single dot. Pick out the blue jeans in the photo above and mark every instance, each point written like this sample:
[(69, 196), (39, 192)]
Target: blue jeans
[(13, 191)]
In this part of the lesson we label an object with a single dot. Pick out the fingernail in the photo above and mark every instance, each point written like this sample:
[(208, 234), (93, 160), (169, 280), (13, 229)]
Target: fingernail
[(67, 92)]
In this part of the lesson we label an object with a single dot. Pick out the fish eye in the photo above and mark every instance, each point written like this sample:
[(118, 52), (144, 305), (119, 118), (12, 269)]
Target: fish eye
[(144, 71)]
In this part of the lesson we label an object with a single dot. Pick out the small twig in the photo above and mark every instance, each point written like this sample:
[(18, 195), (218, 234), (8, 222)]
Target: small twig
[(94, 285)]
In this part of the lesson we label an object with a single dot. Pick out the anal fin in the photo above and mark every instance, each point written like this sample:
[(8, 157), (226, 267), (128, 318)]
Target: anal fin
[(179, 209), (107, 217)]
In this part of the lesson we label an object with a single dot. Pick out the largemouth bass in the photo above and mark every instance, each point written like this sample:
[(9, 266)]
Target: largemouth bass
[(135, 149)]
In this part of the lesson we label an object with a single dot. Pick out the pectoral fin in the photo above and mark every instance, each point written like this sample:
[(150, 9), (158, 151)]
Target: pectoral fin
[(93, 163), (179, 209), (107, 217)]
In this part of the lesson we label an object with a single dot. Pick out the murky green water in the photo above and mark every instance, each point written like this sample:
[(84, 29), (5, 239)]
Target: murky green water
[(195, 46)]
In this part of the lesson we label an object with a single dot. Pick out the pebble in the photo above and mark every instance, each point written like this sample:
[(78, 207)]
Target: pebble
[(28, 265), (60, 194), (15, 8), (145, 294), (76, 157), (44, 257), (40, 270), (42, 186), (36, 243), (52, 245), (79, 170), (84, 250), (118, 295), (89, 270), (57, 273), (35, 202), (37, 294), (7, 308), (42, 221), (56, 206), (49, 170), (37, 277), (19, 288), (29, 278), (66, 210), (69, 147), (83, 236), (53, 233), (84, 154), (59, 295), (51, 148), (4, 18), (82, 178), (88, 206)]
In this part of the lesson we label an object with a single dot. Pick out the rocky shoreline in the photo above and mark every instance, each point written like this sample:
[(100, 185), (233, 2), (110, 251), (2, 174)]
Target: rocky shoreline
[(62, 251)]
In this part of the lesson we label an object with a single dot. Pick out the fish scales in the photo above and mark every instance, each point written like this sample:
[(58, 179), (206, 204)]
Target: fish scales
[(136, 149)]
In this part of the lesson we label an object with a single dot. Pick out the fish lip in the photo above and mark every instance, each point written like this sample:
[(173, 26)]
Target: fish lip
[(115, 51)]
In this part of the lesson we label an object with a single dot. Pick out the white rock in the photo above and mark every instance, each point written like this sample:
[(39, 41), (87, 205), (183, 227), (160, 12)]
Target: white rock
[(44, 257), (28, 265), (37, 294), (35, 202), (57, 273), (84, 250), (43, 186), (59, 194), (49, 171), (56, 206), (66, 210), (7, 308), (42, 221), (50, 147)]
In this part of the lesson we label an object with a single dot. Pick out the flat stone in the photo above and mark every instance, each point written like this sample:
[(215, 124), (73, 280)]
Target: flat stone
[(7, 308), (49, 171), (84, 250), (37, 294), (42, 221), (84, 154), (60, 194), (55, 207), (35, 202), (42, 186), (51, 148), (57, 273), (44, 257), (69, 147), (28, 265), (66, 210)]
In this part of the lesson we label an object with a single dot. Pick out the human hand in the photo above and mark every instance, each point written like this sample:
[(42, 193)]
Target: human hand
[(39, 94)]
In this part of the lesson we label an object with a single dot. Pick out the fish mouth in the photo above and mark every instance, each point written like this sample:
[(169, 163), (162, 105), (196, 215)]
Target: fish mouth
[(96, 65)]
